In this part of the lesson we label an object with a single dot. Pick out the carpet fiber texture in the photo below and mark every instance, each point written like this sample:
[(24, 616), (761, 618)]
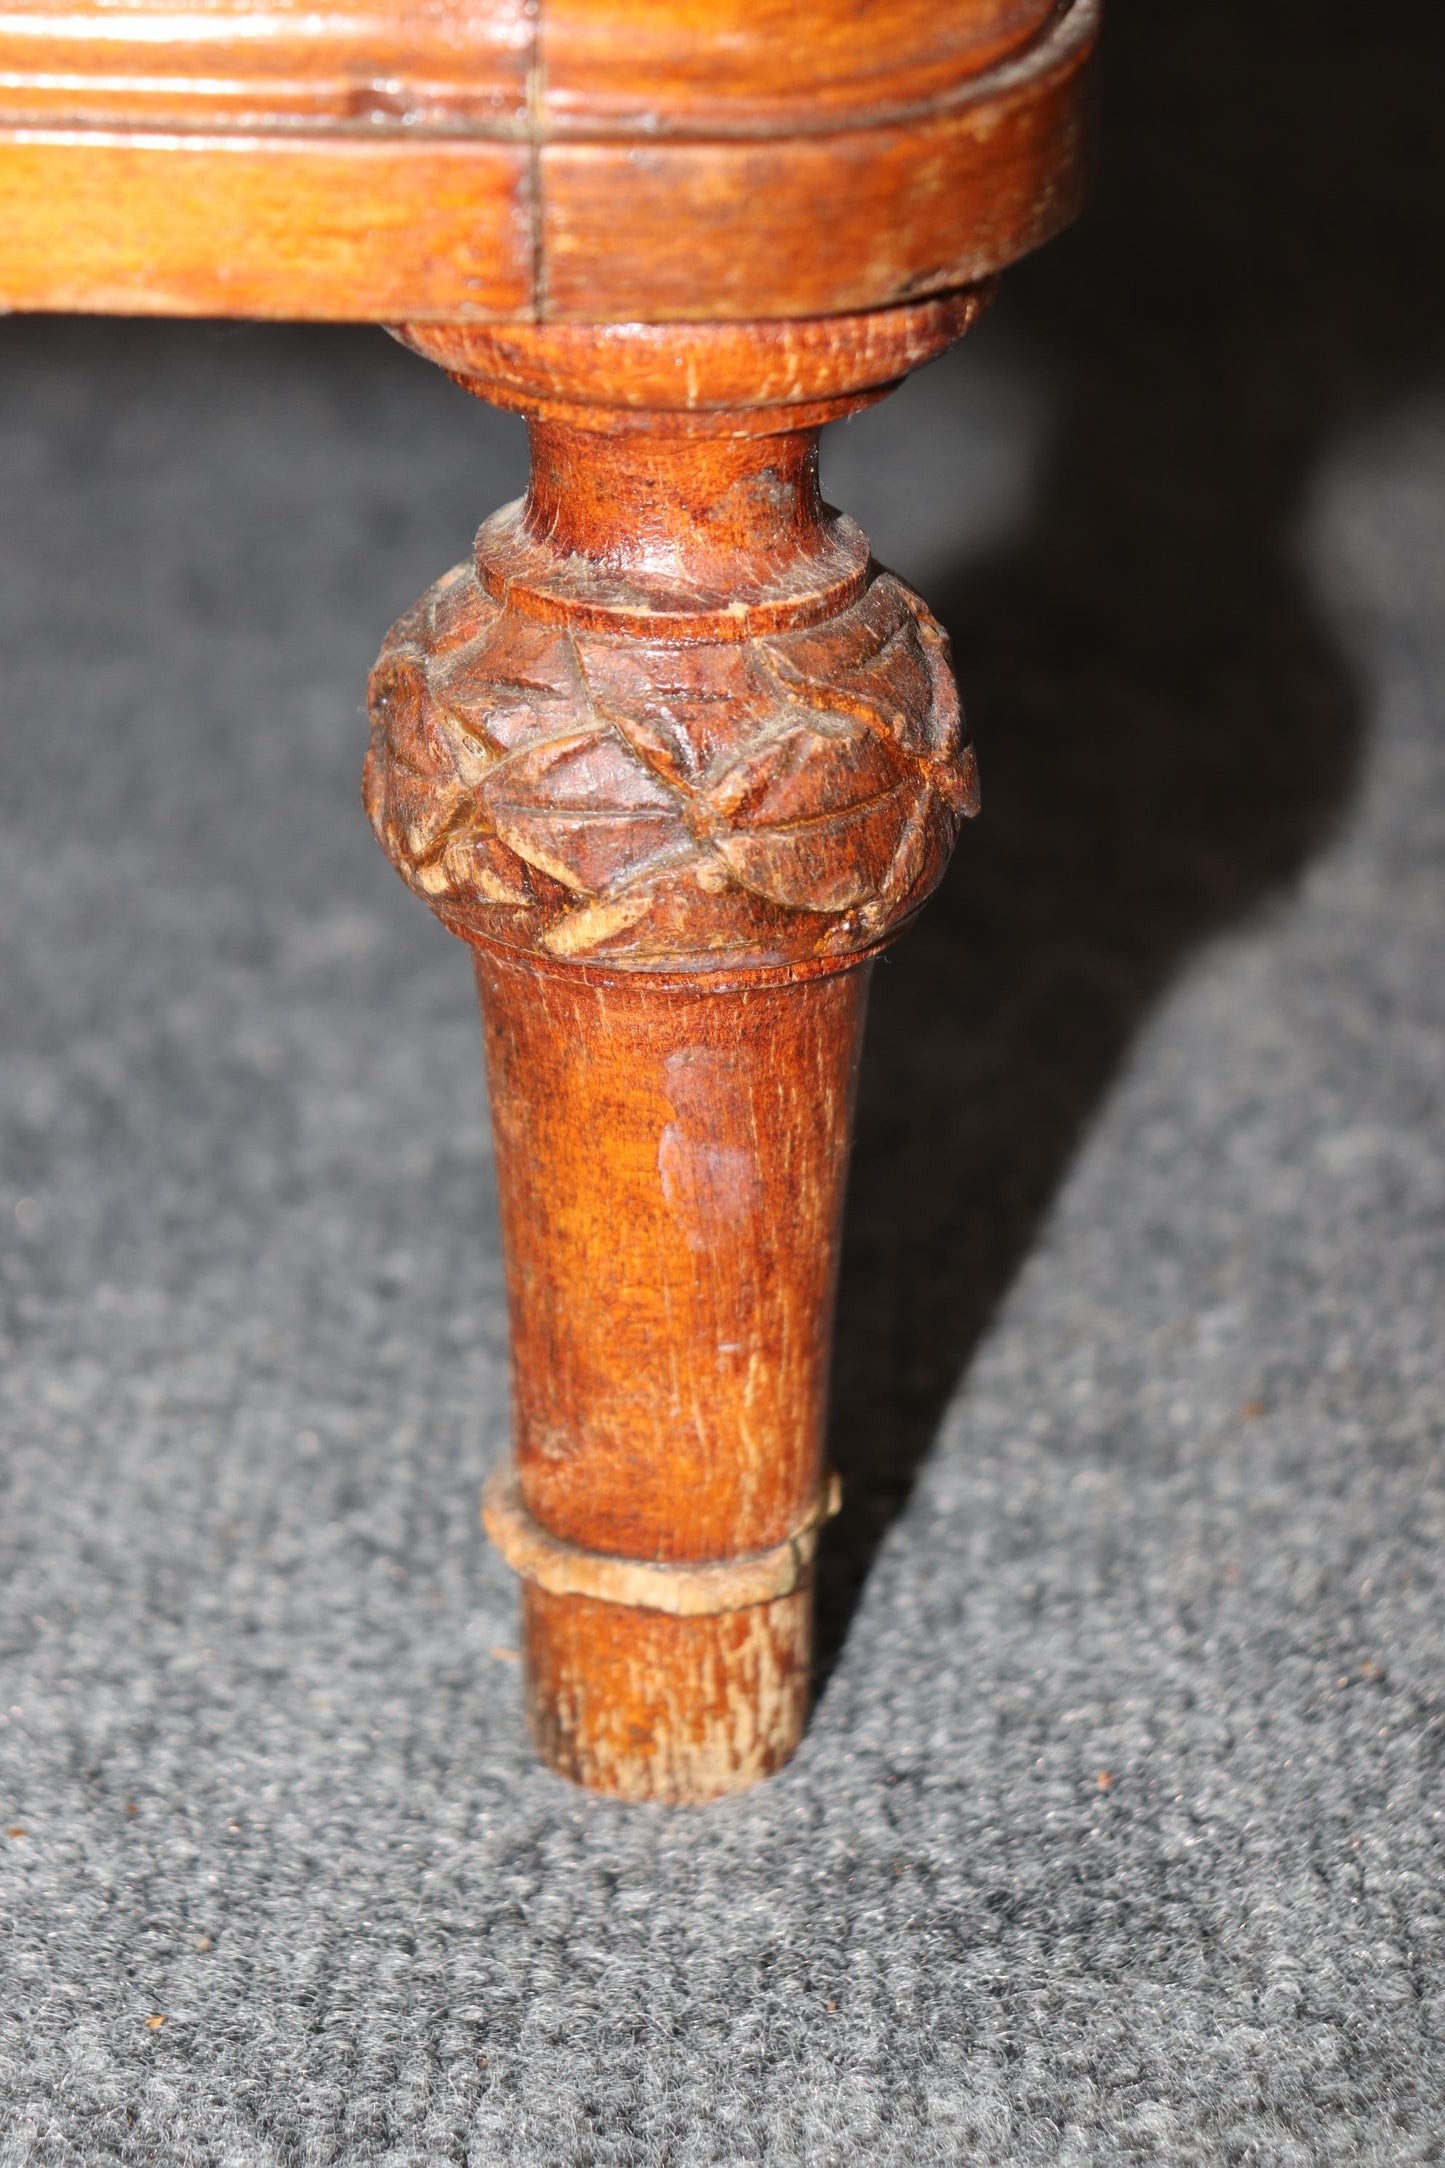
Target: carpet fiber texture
[(1117, 1835)]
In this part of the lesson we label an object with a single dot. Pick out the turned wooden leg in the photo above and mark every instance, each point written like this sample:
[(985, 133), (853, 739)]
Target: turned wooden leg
[(671, 1160), (676, 758)]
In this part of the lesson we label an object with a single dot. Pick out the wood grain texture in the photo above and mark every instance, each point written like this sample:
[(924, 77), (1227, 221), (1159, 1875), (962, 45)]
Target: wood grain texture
[(671, 1160), (389, 163), (611, 376), (817, 224), (675, 757), (263, 226), (672, 1710), (255, 62), (670, 1165), (705, 67)]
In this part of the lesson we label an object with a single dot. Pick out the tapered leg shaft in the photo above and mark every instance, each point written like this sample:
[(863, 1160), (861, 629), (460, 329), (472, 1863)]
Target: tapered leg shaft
[(676, 758), (670, 1162)]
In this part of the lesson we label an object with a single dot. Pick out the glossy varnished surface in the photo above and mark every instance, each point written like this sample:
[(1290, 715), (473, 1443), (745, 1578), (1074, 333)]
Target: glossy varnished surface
[(671, 1162), (676, 758), (572, 67), (673, 162)]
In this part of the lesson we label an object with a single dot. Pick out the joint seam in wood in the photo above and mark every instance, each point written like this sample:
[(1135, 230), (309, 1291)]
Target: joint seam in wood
[(682, 1589)]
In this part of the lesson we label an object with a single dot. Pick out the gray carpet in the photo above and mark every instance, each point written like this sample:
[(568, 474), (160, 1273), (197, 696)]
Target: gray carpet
[(1117, 1836)]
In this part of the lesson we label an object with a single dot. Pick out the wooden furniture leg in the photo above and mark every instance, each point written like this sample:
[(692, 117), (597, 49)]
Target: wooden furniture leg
[(672, 754), (676, 758)]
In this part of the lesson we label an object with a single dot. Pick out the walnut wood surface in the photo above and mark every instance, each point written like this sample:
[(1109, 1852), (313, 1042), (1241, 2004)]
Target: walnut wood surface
[(553, 769), (592, 162), (676, 1710), (670, 1165), (671, 1158), (672, 753), (276, 225), (818, 369), (676, 757), (672, 716), (572, 66), (749, 66), (173, 63)]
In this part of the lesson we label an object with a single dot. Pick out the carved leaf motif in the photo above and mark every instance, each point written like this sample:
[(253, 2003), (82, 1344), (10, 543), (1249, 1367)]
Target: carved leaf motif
[(412, 785), (919, 857), (585, 810), (892, 667), (686, 710), (829, 863), (803, 773), (604, 796), (456, 613), (484, 865), (941, 731), (515, 682), (583, 931), (402, 713)]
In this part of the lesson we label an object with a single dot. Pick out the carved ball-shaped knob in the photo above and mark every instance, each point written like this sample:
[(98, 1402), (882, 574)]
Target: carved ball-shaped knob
[(655, 806)]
